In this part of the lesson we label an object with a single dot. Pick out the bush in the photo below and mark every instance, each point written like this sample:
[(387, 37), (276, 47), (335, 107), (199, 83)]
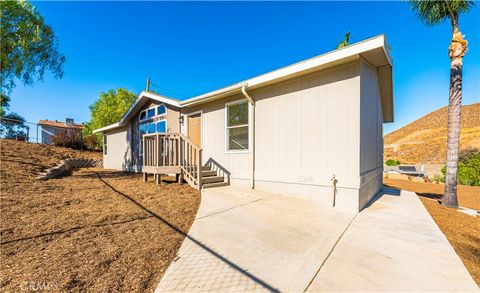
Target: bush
[(468, 168), (391, 162), (68, 138), (469, 153), (92, 142)]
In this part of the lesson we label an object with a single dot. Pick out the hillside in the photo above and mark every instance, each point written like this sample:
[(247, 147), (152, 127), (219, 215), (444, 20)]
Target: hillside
[(424, 140)]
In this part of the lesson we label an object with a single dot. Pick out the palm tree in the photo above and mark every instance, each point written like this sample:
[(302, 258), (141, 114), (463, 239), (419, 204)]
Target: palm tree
[(433, 12), (344, 43)]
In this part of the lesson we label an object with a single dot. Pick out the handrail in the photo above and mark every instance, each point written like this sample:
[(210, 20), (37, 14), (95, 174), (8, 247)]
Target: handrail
[(169, 149), (215, 166)]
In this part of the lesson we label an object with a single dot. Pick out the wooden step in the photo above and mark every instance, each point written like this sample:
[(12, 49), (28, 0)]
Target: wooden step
[(209, 173), (217, 184), (212, 179), (204, 168)]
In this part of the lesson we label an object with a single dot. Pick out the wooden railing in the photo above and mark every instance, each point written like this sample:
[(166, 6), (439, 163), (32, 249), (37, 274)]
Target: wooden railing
[(173, 153), (221, 171)]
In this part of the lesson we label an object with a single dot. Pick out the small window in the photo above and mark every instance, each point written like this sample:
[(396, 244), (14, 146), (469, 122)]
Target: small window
[(161, 109), (150, 113), (151, 127), (237, 127), (142, 128), (143, 115), (105, 144), (162, 126)]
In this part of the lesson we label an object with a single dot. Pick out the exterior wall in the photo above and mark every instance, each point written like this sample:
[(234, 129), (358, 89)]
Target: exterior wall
[(119, 155), (172, 126), (307, 132), (214, 137), (371, 135), (48, 132)]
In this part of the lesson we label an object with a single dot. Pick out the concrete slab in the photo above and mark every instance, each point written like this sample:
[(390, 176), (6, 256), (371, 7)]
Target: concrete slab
[(244, 240), (394, 245)]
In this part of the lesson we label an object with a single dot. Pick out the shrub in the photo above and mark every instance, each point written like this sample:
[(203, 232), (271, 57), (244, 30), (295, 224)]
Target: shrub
[(468, 170), (391, 162), (92, 142), (469, 153), (68, 138)]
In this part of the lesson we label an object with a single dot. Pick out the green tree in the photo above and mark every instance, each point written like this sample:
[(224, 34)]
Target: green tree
[(344, 43), (28, 47), (109, 108), (433, 12), (12, 125)]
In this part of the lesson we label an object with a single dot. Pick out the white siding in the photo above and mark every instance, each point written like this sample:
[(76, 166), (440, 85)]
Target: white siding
[(213, 141), (118, 155), (371, 134), (307, 130)]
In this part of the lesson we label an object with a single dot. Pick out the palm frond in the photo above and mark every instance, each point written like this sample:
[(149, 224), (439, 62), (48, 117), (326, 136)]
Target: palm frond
[(434, 11)]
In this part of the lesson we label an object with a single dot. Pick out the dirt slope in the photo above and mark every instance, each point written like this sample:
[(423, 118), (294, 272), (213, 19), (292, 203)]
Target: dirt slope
[(424, 140), (93, 231)]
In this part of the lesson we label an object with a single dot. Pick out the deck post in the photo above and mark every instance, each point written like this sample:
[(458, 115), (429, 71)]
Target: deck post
[(145, 177), (158, 179), (199, 169)]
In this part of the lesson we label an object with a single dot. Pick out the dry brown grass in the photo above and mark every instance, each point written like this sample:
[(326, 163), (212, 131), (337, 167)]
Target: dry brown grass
[(96, 230), (425, 139), (463, 231)]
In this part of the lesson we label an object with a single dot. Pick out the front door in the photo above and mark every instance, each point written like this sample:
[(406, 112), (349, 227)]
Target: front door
[(195, 129)]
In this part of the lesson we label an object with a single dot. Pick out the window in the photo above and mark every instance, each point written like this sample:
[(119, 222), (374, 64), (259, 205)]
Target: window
[(105, 144), (161, 109), (237, 126), (151, 127), (142, 129), (143, 115), (150, 112), (162, 126)]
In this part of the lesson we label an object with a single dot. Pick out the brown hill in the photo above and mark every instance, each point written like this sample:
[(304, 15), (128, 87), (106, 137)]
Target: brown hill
[(424, 140)]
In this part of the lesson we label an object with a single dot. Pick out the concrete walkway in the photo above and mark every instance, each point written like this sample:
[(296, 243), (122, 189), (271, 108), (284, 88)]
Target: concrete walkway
[(394, 245), (244, 240)]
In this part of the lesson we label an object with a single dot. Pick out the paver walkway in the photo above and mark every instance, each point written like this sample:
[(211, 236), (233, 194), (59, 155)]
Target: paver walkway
[(244, 240)]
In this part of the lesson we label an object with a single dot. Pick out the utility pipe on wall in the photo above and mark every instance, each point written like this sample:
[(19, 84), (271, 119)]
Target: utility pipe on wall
[(251, 101)]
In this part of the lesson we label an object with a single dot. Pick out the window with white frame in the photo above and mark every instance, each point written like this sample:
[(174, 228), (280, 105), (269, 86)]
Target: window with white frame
[(152, 112), (161, 109), (237, 126), (105, 144)]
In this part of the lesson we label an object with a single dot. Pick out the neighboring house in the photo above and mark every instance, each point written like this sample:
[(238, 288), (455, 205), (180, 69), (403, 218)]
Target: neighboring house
[(51, 128), (292, 131), (410, 170)]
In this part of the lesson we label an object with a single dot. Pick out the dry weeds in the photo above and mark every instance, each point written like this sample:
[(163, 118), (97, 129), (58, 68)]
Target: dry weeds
[(425, 139)]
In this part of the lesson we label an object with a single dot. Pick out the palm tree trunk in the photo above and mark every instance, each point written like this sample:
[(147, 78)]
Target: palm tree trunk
[(453, 140), (456, 51)]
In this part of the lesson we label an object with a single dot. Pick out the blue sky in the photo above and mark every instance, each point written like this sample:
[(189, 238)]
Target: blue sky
[(195, 47)]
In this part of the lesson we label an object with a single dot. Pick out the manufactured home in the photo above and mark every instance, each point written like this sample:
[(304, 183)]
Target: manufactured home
[(313, 129)]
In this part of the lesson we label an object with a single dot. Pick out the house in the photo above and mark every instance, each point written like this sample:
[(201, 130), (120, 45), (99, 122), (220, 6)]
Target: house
[(409, 170), (49, 129), (311, 130)]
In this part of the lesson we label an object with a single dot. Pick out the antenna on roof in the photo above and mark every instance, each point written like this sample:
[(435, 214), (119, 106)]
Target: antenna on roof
[(148, 85)]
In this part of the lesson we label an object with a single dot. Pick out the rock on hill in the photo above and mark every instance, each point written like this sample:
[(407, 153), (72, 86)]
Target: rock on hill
[(424, 140)]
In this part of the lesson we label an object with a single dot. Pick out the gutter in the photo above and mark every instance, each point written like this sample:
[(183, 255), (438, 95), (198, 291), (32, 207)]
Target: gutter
[(212, 95), (251, 101)]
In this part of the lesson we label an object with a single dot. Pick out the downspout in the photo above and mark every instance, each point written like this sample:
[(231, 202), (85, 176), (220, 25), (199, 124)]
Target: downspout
[(251, 101)]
